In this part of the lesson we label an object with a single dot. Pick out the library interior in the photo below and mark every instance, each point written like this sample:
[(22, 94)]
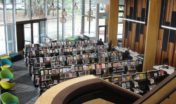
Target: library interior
[(87, 51)]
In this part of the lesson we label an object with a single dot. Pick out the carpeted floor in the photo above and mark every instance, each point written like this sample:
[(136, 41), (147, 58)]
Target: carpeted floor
[(24, 88)]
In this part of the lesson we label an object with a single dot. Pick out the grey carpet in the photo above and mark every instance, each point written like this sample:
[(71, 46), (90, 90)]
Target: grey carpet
[(24, 88)]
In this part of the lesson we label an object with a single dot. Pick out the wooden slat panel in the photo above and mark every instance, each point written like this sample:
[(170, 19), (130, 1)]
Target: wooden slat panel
[(132, 3), (145, 30), (139, 8), (137, 46), (167, 11), (127, 6), (144, 3), (158, 53), (123, 38), (170, 10), (161, 31), (170, 53), (141, 43), (159, 47), (133, 36), (174, 58), (174, 8), (129, 39), (163, 57)]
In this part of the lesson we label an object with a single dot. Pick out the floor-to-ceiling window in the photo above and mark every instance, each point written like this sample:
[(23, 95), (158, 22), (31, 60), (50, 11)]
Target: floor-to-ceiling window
[(62, 18), (10, 25), (2, 32), (23, 10), (77, 17), (89, 17), (52, 10), (37, 9)]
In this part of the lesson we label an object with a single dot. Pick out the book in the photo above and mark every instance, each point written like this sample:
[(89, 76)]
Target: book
[(103, 66), (93, 66)]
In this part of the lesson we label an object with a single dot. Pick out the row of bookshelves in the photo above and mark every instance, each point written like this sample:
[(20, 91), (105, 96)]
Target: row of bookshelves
[(57, 52), (53, 76), (136, 82), (60, 45), (71, 43), (79, 59)]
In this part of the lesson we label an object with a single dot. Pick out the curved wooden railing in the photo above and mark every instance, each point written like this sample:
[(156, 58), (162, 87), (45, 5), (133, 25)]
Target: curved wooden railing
[(84, 89)]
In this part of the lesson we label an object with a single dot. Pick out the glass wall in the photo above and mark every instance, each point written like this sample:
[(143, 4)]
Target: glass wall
[(52, 29), (2, 40), (2, 32), (27, 33), (89, 18), (79, 18), (68, 7), (23, 10), (38, 9)]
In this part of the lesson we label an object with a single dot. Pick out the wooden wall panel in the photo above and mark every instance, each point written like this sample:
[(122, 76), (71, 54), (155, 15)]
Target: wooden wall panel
[(134, 32), (139, 8), (158, 55), (113, 21), (123, 40), (141, 44), (169, 37), (170, 53), (127, 6), (135, 40), (168, 10), (159, 47), (174, 58), (174, 7), (133, 36)]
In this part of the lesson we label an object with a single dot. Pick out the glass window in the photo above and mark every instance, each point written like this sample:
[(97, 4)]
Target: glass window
[(23, 10), (10, 37), (27, 33), (60, 25), (36, 32), (52, 7), (52, 28), (2, 40), (9, 17), (1, 13), (68, 24), (89, 18), (38, 9), (86, 17), (77, 14)]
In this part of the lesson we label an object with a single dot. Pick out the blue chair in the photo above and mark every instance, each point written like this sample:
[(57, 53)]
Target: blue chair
[(6, 62)]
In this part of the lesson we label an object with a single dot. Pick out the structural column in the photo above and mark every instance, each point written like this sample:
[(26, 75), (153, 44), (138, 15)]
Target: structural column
[(113, 21), (152, 34)]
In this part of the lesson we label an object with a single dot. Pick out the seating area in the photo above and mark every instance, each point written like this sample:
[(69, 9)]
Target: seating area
[(6, 82)]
